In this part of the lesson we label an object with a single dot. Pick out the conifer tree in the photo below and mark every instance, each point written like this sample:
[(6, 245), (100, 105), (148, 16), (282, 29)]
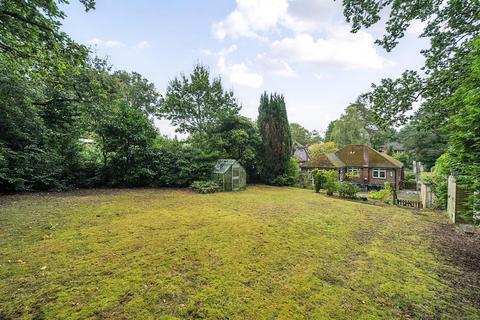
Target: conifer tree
[(276, 140)]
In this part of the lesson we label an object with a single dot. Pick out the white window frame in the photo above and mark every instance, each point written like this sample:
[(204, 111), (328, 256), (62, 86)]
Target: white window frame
[(376, 173)]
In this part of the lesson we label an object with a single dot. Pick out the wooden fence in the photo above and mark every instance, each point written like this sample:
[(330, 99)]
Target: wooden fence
[(427, 196), (409, 203)]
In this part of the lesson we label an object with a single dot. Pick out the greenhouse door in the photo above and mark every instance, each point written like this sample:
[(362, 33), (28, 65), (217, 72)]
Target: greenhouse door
[(235, 178)]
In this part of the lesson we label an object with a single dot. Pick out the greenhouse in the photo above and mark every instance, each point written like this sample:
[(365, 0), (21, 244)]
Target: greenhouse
[(230, 175)]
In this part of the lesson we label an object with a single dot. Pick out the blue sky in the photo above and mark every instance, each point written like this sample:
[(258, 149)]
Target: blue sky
[(301, 48)]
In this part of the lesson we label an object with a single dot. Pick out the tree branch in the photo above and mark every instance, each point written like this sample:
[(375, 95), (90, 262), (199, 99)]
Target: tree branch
[(26, 20)]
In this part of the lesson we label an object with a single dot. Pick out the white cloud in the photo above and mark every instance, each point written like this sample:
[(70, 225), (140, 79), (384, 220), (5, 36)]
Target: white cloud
[(243, 73), (240, 74), (106, 43), (340, 48), (275, 66), (305, 18), (250, 17), (311, 15), (143, 45)]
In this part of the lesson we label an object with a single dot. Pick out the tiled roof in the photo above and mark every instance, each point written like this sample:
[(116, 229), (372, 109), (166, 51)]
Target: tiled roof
[(329, 160), (358, 155), (301, 154)]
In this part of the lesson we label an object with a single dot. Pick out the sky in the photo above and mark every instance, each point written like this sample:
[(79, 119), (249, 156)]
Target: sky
[(302, 49)]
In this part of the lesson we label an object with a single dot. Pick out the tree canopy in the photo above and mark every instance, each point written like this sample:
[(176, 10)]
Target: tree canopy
[(350, 128), (196, 104), (450, 26), (303, 136)]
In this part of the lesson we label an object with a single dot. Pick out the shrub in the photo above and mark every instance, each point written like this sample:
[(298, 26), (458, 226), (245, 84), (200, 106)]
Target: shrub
[(409, 182), (384, 194), (347, 190), (319, 179), (325, 179), (205, 186), (331, 184), (291, 175)]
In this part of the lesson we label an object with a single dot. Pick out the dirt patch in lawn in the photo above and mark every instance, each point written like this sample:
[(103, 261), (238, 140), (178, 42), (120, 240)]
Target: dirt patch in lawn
[(462, 251)]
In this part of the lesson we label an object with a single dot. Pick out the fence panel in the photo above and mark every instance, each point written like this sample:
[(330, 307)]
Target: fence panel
[(409, 203)]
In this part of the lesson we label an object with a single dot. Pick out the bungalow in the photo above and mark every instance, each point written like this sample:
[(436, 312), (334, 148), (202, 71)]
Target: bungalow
[(361, 165)]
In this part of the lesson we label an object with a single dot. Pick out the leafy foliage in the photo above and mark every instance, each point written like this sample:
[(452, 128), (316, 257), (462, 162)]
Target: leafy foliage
[(450, 26), (350, 129), (409, 181), (317, 150), (235, 137), (291, 175), (384, 194), (31, 29), (196, 104), (303, 136), (328, 132), (422, 145), (347, 190), (325, 179)]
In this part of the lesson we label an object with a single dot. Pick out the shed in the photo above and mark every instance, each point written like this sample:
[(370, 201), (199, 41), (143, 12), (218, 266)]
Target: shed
[(230, 175)]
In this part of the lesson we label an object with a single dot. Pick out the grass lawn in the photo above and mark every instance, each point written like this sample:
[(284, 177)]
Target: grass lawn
[(265, 253)]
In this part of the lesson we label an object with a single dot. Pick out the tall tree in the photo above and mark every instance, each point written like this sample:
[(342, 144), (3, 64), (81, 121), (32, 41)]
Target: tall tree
[(235, 137), (350, 128), (195, 104), (328, 132), (422, 145), (40, 96), (31, 29), (303, 136), (449, 25), (276, 140)]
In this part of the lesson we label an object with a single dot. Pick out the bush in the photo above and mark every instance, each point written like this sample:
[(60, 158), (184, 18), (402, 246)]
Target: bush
[(331, 184), (409, 181), (347, 190), (205, 186), (291, 175), (319, 179), (384, 194), (325, 179)]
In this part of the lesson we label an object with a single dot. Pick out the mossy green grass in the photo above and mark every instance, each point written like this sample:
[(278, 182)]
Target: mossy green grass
[(264, 253)]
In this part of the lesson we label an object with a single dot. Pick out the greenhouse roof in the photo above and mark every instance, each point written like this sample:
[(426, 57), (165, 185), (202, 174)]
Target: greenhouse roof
[(222, 165)]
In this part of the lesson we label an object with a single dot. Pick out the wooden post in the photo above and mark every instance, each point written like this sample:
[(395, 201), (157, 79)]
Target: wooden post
[(452, 197), (476, 206)]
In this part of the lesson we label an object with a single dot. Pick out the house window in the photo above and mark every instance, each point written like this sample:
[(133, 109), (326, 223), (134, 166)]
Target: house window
[(379, 173), (353, 172)]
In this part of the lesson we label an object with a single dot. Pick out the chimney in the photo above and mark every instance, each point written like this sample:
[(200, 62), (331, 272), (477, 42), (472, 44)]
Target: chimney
[(365, 156)]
